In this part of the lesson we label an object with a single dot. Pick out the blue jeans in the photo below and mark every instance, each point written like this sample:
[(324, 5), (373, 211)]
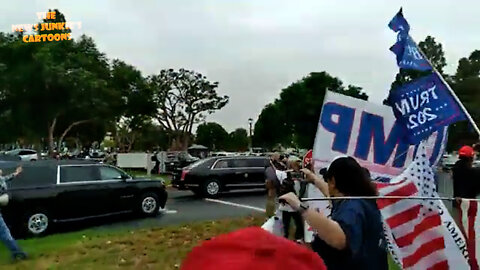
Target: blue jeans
[(8, 240)]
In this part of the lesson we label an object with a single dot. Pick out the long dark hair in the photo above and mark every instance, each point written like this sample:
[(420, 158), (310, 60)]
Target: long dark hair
[(351, 179)]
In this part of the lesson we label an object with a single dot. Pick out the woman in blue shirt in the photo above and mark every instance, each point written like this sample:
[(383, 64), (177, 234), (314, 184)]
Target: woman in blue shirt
[(352, 237)]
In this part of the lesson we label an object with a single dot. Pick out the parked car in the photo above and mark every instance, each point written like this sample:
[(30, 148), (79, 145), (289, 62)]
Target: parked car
[(209, 177), (476, 163), (24, 154), (177, 160), (49, 192), (448, 161)]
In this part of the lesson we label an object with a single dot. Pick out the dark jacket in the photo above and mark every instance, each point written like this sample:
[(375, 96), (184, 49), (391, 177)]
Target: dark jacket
[(466, 180)]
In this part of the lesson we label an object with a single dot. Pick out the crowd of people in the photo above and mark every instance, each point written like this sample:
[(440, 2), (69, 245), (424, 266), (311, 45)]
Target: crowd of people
[(351, 237)]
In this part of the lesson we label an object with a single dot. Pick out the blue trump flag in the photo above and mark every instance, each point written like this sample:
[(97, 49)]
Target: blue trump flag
[(399, 24), (408, 54), (423, 106)]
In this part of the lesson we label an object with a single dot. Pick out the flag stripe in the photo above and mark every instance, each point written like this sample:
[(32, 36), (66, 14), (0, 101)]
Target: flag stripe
[(403, 217), (430, 260), (423, 251), (406, 190), (443, 265), (423, 238), (398, 208), (424, 225), (463, 216), (382, 185), (472, 215)]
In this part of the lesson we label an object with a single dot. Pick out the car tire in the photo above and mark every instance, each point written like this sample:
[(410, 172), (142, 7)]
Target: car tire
[(36, 223), (149, 204), (211, 188)]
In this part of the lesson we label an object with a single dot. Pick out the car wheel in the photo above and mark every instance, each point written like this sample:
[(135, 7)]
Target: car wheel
[(149, 204), (37, 223), (211, 188)]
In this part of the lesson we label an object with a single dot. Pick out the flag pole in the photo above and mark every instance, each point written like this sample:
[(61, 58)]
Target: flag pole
[(469, 117), (382, 198)]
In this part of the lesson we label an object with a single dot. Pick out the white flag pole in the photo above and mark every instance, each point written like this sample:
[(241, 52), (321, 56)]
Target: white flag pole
[(469, 117)]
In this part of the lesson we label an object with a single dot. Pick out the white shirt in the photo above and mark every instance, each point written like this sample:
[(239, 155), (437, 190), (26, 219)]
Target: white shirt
[(281, 176)]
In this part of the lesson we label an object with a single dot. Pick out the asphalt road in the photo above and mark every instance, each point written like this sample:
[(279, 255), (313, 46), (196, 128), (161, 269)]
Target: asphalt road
[(183, 207)]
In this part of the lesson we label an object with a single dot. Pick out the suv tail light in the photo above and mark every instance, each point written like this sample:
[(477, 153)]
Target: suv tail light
[(184, 173)]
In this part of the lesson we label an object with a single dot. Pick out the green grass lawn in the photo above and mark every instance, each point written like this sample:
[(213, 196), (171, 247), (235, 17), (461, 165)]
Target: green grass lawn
[(143, 174), (152, 248), (149, 248)]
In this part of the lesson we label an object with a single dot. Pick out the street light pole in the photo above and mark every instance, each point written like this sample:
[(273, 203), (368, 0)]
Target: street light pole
[(250, 122)]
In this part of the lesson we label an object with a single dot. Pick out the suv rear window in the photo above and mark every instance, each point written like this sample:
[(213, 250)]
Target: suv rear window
[(26, 152), (221, 164), (240, 163), (256, 163), (72, 174)]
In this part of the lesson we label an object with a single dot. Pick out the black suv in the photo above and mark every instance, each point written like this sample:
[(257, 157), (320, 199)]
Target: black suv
[(177, 160), (209, 177), (58, 191)]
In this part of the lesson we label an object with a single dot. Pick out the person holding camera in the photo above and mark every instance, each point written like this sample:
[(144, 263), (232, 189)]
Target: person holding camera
[(287, 185), (5, 235), (352, 237), (271, 183)]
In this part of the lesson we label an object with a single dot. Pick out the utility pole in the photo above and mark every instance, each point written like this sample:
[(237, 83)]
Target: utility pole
[(250, 122)]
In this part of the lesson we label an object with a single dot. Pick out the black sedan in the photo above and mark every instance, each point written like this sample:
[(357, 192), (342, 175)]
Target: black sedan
[(211, 176), (61, 191)]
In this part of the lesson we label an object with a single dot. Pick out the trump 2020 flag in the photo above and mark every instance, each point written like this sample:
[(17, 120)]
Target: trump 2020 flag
[(407, 52), (399, 24), (423, 106)]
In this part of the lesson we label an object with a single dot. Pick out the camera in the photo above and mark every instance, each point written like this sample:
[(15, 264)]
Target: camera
[(287, 185)]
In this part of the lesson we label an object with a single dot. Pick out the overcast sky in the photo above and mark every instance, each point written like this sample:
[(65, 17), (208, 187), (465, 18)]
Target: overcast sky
[(254, 48)]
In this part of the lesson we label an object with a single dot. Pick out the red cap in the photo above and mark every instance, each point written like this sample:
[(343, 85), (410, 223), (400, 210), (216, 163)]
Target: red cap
[(466, 151), (250, 249)]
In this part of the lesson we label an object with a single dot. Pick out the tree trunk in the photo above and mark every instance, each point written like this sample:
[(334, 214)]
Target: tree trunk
[(131, 142), (72, 125), (51, 130)]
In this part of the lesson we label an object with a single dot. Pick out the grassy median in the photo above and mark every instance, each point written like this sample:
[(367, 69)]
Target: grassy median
[(150, 248)]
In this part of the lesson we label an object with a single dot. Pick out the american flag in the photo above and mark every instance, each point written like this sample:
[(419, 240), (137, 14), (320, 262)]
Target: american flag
[(470, 221), (415, 225)]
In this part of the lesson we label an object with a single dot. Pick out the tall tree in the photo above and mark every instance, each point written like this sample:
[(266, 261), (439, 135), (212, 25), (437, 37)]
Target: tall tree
[(270, 127), (238, 140), (66, 86), (212, 135), (292, 119), (467, 87), (136, 107), (184, 98)]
